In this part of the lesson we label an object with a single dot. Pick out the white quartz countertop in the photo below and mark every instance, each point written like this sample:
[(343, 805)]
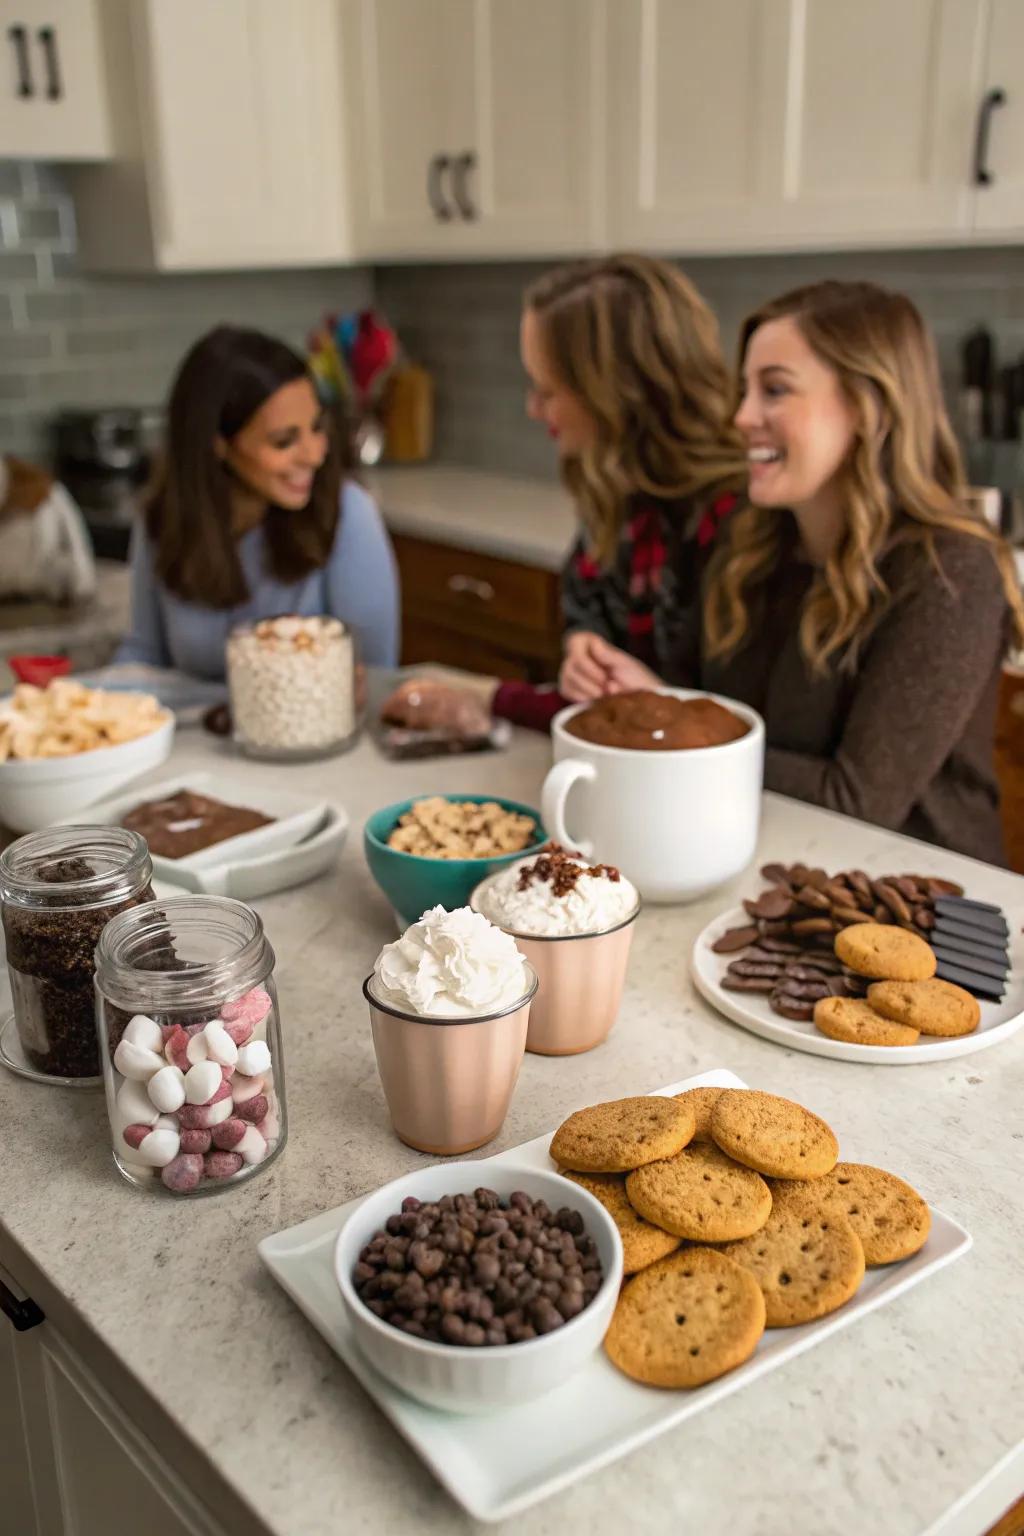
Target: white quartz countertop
[(515, 518), (888, 1428)]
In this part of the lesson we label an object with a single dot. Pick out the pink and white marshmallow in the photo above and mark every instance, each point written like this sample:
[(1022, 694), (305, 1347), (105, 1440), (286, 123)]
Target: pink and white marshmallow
[(166, 1089), (137, 1062), (144, 1031), (202, 1081), (254, 1058)]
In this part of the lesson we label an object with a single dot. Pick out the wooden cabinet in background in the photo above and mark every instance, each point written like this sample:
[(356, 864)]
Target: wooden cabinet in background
[(478, 612)]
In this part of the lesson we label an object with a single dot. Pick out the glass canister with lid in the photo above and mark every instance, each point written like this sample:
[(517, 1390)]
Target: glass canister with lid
[(190, 1041), (58, 890), (292, 683)]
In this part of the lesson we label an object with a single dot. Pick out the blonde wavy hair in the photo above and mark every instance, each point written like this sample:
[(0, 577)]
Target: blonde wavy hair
[(631, 336), (901, 483)]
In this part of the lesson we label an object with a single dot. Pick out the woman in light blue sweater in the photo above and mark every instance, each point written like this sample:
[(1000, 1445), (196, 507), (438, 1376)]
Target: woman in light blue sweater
[(252, 514)]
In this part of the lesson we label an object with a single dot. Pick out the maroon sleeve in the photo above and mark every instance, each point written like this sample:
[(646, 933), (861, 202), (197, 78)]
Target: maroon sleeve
[(530, 704)]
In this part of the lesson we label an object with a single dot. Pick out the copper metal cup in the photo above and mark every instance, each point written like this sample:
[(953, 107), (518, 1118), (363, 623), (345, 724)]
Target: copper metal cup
[(448, 1082), (580, 978), (580, 988)]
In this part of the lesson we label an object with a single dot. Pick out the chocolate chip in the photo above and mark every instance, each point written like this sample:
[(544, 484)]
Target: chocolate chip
[(467, 1270)]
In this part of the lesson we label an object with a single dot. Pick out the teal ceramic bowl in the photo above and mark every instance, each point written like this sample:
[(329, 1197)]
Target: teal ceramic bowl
[(412, 883)]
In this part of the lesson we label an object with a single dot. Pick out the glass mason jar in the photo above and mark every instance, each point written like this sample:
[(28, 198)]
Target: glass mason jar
[(293, 686), (190, 1043), (58, 890)]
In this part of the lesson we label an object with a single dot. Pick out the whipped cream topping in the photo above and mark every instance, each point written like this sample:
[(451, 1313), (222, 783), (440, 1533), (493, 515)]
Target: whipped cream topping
[(450, 965), (557, 895)]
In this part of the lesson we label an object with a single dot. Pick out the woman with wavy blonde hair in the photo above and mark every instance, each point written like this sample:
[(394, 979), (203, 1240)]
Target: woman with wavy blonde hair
[(858, 601), (627, 375)]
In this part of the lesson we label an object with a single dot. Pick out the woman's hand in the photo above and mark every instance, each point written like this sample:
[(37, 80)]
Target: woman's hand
[(421, 704), (592, 668)]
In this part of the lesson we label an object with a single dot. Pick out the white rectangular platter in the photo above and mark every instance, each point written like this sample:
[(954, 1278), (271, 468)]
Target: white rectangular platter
[(596, 1416)]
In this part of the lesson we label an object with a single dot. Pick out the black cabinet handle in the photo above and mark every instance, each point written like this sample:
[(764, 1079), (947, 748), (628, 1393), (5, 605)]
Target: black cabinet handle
[(54, 84), (23, 1314), (995, 98), (461, 167), (435, 196), (19, 41)]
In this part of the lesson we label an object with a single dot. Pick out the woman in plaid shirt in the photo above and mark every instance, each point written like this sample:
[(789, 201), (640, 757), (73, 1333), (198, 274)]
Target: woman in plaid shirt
[(627, 376)]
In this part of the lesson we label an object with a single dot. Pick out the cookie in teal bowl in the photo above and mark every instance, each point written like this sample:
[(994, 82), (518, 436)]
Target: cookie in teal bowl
[(413, 882)]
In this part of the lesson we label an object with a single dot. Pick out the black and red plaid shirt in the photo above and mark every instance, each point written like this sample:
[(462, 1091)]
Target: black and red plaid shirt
[(646, 602)]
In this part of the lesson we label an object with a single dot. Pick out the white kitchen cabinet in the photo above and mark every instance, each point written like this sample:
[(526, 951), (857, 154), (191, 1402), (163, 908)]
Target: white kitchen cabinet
[(882, 105), (72, 1463), (229, 137), (999, 194), (53, 88), (477, 126), (698, 97), (753, 124)]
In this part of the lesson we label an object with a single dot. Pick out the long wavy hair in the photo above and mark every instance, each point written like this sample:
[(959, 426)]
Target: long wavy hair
[(901, 483), (221, 384), (631, 336)]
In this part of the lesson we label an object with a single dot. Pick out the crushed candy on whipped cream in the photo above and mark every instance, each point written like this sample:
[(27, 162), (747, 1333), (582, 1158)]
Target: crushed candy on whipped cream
[(557, 894), (562, 870), (450, 965)]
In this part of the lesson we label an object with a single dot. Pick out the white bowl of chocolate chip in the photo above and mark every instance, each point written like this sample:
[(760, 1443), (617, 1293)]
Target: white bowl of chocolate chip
[(474, 1286)]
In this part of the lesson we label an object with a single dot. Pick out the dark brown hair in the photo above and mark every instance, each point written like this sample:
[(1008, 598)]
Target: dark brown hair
[(221, 384), (902, 483), (632, 337)]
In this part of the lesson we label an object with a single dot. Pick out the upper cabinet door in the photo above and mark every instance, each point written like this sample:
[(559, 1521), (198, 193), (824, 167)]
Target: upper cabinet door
[(241, 123), (999, 157), (53, 94), (698, 96), (880, 116), (477, 125), (535, 184), (409, 67)]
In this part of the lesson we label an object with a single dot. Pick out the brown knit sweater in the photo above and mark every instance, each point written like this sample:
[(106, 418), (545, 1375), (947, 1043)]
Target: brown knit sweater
[(906, 741)]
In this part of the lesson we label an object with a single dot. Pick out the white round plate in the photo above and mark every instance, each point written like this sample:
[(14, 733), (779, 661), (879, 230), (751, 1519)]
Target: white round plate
[(750, 1009)]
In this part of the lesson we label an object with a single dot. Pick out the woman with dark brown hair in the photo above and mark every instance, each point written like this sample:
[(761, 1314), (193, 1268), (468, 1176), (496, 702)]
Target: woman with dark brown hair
[(858, 601), (252, 513)]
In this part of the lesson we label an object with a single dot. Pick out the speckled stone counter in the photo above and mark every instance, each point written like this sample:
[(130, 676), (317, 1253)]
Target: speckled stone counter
[(889, 1428)]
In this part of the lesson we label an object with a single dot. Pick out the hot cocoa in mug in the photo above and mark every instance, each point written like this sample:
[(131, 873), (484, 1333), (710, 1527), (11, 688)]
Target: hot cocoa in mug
[(666, 784)]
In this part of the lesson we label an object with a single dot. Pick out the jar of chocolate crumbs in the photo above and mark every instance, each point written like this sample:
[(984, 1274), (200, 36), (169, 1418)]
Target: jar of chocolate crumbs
[(58, 890)]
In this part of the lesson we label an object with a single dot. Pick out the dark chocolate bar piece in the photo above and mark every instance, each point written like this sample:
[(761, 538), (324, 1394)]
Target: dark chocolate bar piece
[(990, 968), (980, 986), (968, 947), (962, 930), (965, 904)]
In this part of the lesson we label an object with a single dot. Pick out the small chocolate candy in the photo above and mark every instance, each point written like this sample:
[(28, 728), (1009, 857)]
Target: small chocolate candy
[(791, 1007), (764, 984), (734, 939)]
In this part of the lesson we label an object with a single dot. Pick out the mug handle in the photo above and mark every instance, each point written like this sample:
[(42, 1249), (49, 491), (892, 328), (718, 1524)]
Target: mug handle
[(555, 793)]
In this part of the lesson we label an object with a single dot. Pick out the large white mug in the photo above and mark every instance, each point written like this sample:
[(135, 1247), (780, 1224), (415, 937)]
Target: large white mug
[(677, 823)]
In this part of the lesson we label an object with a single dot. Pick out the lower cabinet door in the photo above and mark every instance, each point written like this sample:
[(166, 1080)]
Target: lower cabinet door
[(89, 1471)]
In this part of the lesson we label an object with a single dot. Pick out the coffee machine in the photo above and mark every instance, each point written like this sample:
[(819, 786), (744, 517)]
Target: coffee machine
[(103, 457)]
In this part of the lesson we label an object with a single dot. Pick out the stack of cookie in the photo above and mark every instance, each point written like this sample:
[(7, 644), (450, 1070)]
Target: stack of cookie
[(735, 1215), (904, 999)]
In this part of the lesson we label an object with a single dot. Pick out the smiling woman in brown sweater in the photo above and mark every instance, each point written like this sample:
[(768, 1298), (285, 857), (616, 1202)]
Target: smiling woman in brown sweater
[(856, 602)]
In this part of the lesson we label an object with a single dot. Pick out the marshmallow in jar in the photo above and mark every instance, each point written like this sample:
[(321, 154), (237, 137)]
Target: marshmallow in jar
[(190, 1042), (292, 684)]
